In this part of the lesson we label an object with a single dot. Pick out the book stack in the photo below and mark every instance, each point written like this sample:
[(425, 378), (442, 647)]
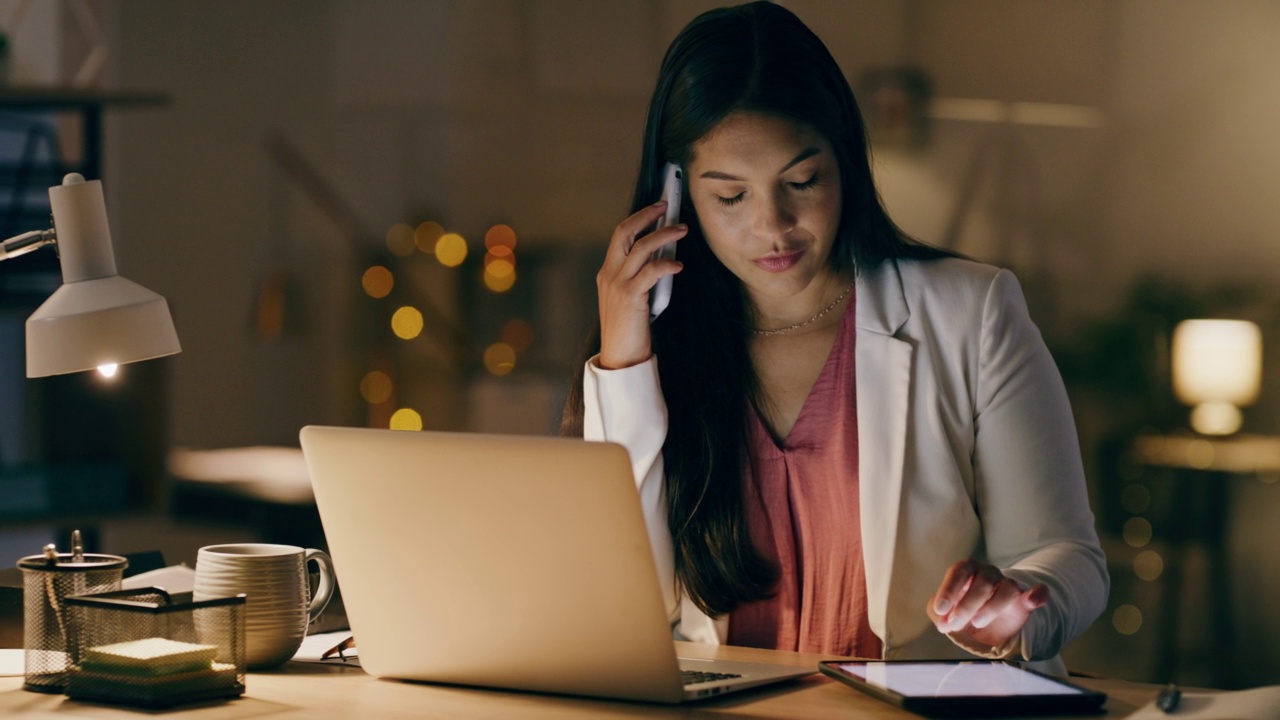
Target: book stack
[(154, 672)]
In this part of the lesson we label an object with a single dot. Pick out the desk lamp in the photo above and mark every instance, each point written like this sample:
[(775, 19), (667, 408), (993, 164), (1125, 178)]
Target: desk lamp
[(1217, 367), (97, 319)]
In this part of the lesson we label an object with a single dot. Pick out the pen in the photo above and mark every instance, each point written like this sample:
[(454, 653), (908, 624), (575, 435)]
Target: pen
[(1168, 698), (347, 644)]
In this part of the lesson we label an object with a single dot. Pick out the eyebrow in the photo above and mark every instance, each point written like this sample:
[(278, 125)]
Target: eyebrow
[(804, 155)]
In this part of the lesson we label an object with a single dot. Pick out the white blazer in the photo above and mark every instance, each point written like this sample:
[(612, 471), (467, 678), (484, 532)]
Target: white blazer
[(966, 448)]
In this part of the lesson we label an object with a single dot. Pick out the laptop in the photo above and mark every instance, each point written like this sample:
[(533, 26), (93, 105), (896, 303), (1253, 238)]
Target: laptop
[(503, 561)]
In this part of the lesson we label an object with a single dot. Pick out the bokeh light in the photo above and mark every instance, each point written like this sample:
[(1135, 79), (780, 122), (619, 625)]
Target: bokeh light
[(377, 282), (108, 370), (500, 269), (451, 249), (376, 387), (1127, 619), (406, 419), (1200, 453), (1135, 498), (400, 239), (426, 235), (1137, 532), (406, 323), (500, 284), (500, 236), (1148, 565), (518, 333), (500, 252), (500, 359)]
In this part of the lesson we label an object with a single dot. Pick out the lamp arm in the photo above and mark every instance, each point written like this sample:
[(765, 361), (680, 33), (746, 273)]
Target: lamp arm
[(26, 242)]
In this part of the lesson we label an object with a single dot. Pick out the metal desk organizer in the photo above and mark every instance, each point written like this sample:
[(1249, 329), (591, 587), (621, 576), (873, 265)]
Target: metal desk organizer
[(49, 634), (136, 647)]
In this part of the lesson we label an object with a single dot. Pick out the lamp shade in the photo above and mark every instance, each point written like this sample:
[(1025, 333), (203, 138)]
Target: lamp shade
[(1217, 367), (1217, 361), (97, 317)]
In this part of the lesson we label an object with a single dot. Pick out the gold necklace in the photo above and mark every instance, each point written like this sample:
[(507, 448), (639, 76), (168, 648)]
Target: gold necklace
[(797, 326)]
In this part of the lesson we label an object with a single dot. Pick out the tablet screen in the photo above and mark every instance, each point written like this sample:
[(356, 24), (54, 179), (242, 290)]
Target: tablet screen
[(963, 679)]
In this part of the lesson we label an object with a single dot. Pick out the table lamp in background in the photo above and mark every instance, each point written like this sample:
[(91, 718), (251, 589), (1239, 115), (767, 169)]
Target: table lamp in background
[(97, 319), (1217, 369)]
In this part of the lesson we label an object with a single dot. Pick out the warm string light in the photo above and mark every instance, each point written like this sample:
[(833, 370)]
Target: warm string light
[(450, 249)]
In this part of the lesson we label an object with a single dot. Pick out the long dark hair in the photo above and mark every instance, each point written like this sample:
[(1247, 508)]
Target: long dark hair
[(758, 58)]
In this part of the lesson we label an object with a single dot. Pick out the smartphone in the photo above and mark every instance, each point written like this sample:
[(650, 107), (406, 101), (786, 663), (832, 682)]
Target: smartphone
[(672, 190), (964, 688)]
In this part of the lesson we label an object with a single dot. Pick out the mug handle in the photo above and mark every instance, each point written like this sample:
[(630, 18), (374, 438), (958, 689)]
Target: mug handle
[(324, 590)]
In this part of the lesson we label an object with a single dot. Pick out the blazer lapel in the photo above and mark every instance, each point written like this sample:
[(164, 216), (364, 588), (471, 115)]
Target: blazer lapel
[(883, 379)]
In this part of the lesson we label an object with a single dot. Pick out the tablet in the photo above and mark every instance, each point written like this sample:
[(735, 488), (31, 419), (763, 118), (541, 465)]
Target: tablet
[(964, 688)]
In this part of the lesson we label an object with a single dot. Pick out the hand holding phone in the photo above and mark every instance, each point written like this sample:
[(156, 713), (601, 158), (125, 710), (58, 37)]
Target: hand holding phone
[(672, 190)]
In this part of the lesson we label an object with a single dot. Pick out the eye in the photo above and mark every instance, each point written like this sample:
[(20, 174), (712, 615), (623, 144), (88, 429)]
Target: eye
[(806, 184), (731, 201)]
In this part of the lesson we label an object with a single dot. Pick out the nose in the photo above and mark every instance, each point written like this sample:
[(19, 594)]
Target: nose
[(776, 216)]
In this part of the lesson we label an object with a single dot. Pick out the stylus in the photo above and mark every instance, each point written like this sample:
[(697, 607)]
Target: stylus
[(1169, 698)]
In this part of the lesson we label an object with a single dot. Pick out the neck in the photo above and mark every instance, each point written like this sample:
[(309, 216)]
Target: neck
[(772, 313)]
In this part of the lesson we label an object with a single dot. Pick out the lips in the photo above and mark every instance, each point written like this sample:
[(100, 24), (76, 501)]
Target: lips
[(779, 263)]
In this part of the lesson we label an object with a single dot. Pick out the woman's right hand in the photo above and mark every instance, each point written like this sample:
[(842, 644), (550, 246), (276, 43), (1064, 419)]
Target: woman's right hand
[(624, 282)]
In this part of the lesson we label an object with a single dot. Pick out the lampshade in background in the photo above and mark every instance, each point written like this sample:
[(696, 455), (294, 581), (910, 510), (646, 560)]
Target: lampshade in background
[(1217, 368), (96, 318)]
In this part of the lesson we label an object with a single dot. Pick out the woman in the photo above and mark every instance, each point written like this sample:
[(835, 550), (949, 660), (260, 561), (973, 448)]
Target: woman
[(845, 442)]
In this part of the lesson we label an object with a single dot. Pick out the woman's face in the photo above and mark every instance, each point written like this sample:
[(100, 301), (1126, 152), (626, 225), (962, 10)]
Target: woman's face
[(767, 194)]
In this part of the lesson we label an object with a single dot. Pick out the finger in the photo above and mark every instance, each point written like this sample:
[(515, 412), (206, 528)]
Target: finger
[(643, 249), (634, 292), (628, 230), (981, 588), (953, 586), (1007, 597), (1035, 598)]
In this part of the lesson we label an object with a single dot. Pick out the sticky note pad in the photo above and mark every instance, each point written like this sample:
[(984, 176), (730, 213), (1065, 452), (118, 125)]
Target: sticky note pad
[(150, 656)]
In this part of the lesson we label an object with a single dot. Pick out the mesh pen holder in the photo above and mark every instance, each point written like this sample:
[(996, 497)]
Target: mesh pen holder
[(49, 633), (138, 648)]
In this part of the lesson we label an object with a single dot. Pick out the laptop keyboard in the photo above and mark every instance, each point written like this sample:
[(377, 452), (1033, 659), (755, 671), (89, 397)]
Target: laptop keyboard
[(693, 677)]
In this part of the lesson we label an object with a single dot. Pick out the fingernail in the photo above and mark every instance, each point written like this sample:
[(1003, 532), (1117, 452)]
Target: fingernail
[(942, 606)]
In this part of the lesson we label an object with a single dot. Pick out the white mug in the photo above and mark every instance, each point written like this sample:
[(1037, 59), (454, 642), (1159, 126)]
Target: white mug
[(274, 579)]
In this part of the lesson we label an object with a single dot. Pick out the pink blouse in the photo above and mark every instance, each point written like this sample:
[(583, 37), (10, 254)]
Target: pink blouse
[(802, 511)]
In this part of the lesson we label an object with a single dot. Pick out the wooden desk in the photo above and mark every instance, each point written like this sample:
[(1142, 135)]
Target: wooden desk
[(1191, 479), (308, 690)]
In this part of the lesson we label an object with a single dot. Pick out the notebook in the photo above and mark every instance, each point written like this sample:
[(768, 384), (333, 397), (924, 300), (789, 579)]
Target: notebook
[(499, 561)]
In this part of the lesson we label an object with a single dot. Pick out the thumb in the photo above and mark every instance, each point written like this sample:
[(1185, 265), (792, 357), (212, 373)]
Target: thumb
[(1035, 598)]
